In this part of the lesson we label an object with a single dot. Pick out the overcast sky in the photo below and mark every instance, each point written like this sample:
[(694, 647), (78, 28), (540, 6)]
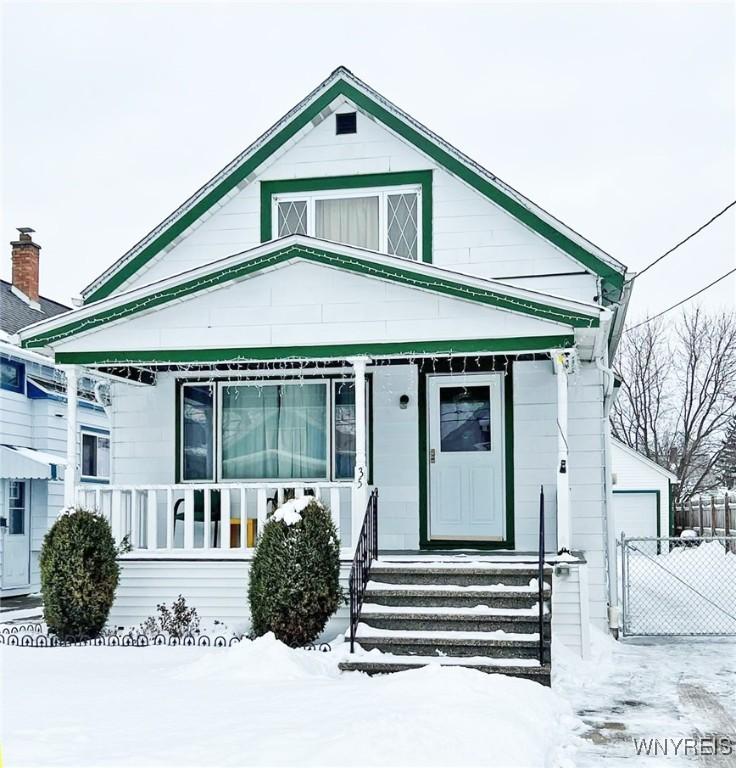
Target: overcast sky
[(619, 118)]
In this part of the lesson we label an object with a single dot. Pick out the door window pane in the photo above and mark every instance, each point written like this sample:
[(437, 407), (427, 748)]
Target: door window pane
[(274, 431), (352, 220), (89, 456), (292, 218), (197, 433), (17, 508), (403, 225), (465, 419)]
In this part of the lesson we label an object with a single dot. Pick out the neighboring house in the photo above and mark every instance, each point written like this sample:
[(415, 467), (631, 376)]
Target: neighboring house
[(33, 427), (642, 501), (352, 303)]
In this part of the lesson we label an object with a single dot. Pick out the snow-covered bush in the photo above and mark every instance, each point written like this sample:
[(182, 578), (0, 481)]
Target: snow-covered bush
[(79, 574), (177, 621), (294, 577)]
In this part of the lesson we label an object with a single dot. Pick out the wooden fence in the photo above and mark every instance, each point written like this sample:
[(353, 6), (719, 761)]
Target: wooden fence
[(708, 515)]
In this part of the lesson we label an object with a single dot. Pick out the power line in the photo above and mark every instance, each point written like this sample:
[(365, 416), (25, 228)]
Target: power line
[(682, 242), (674, 306)]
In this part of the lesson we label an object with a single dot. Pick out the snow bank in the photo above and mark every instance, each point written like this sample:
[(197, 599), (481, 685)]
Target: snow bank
[(261, 660), (290, 513), (263, 704)]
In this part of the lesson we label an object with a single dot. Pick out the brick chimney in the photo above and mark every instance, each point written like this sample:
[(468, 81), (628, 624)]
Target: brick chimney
[(25, 264)]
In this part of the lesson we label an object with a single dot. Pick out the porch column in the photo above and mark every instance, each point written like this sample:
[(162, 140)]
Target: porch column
[(70, 473), (560, 359), (360, 480)]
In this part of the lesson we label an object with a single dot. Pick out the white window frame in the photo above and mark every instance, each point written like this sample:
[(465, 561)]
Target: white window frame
[(97, 435), (26, 506), (264, 383), (382, 193), (215, 441), (368, 408)]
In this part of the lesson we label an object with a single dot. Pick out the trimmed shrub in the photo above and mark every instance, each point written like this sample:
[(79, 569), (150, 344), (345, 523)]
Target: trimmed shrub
[(294, 576), (79, 574)]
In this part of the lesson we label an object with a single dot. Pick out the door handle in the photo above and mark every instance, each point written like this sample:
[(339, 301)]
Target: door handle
[(432, 456)]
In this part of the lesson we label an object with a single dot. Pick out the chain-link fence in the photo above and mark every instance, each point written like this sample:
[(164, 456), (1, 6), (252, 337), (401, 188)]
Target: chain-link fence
[(679, 586)]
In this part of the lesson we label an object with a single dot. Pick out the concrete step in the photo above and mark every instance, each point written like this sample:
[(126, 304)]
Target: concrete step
[(452, 573), (418, 595), (387, 664), (466, 620), (435, 644)]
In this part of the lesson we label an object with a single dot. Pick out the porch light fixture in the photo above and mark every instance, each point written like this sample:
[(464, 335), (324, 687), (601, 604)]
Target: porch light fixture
[(562, 570), (404, 402)]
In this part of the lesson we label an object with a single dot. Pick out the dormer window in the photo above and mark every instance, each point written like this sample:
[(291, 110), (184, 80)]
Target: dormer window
[(385, 220)]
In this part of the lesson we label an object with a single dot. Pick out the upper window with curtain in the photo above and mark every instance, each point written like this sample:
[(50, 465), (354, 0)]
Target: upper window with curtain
[(385, 220)]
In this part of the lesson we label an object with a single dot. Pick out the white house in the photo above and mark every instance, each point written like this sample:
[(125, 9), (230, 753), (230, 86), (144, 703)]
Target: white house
[(642, 500), (351, 304), (33, 428)]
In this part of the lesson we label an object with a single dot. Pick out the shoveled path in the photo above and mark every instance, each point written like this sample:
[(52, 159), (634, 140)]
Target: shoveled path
[(669, 689)]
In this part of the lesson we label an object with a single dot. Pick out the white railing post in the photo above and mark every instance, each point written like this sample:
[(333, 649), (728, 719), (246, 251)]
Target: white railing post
[(207, 518), (70, 471), (135, 497), (560, 360), (116, 514), (243, 518), (335, 507), (360, 479), (225, 518), (152, 520), (169, 518), (188, 518), (261, 509)]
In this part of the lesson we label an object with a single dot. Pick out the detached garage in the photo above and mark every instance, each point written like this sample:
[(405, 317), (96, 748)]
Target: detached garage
[(641, 494)]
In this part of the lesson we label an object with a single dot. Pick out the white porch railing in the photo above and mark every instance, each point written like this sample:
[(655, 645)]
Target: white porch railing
[(203, 517)]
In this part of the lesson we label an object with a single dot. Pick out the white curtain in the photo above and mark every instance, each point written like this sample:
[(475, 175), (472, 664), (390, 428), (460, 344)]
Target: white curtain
[(351, 220)]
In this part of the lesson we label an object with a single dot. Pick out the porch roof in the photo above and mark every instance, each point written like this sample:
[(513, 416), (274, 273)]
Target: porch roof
[(558, 316)]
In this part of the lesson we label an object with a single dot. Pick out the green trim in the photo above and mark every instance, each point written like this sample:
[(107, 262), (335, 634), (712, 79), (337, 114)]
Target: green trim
[(363, 266), (611, 276), (424, 541), (323, 183), (411, 348), (657, 493)]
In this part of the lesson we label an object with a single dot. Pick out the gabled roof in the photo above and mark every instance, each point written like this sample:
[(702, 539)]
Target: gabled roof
[(16, 313), (427, 277), (343, 83), (644, 460)]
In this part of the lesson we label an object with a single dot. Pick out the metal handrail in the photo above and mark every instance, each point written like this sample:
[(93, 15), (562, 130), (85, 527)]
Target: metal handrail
[(541, 575), (366, 551)]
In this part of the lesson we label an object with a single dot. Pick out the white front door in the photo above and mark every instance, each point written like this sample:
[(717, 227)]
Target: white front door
[(17, 539), (466, 457)]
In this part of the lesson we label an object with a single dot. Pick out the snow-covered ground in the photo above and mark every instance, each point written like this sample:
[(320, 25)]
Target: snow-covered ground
[(262, 704), (682, 688)]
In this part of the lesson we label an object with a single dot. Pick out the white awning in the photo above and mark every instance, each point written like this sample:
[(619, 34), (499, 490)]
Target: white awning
[(18, 463)]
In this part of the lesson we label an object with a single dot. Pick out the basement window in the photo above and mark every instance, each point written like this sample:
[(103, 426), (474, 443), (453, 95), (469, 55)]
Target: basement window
[(347, 122)]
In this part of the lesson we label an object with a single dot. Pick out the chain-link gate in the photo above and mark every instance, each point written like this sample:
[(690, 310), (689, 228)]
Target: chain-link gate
[(678, 586)]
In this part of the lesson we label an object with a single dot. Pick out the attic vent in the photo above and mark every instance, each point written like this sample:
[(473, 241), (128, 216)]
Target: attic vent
[(346, 123)]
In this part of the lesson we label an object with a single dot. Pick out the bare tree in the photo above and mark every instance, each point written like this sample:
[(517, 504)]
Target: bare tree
[(678, 395)]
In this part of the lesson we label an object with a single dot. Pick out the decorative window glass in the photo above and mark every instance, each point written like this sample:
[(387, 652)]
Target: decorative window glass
[(292, 218), (465, 419), (403, 233), (198, 441), (383, 220), (12, 375), (16, 508), (95, 456)]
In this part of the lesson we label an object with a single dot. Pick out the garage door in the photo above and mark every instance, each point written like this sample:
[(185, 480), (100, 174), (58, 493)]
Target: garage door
[(635, 514)]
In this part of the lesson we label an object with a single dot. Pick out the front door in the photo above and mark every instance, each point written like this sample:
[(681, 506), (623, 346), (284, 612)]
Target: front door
[(466, 458), (16, 546)]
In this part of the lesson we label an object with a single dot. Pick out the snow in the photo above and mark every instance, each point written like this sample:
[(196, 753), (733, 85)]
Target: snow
[(261, 704), (365, 630), (450, 565), (441, 610), (687, 590), (531, 587), (442, 661), (290, 513)]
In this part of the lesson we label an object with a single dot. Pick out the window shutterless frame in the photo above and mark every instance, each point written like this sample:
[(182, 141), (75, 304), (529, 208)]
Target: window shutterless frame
[(97, 435), (382, 193), (369, 414), (215, 441), (262, 383)]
